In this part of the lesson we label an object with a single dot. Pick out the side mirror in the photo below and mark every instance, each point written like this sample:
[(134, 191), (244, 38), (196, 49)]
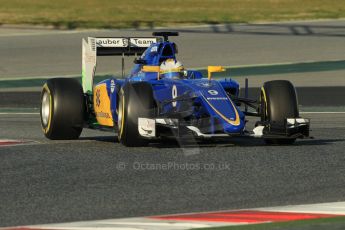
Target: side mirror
[(214, 69), (140, 61)]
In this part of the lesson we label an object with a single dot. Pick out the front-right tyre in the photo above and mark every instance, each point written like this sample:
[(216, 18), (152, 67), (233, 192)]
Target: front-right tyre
[(278, 102), (136, 100)]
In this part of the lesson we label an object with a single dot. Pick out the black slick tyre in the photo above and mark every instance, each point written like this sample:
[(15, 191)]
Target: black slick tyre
[(278, 102), (62, 109), (136, 100)]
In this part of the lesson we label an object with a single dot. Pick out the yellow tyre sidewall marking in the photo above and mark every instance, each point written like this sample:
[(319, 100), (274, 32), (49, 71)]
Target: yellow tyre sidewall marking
[(46, 88), (265, 100), (122, 114)]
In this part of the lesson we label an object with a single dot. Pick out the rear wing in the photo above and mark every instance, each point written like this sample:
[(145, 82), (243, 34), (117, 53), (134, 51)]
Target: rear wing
[(103, 46)]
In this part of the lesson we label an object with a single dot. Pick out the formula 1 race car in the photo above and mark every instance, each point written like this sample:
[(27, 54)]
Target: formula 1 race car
[(160, 98)]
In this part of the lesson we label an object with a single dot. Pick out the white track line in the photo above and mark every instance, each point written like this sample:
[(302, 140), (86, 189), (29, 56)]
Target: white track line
[(322, 112), (269, 64), (46, 77), (128, 223), (337, 208), (149, 223), (19, 113)]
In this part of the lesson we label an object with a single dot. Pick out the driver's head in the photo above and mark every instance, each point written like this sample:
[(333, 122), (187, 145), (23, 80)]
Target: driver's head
[(171, 68)]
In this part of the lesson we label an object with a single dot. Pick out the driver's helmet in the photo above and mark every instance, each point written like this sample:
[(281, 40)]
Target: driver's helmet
[(171, 68)]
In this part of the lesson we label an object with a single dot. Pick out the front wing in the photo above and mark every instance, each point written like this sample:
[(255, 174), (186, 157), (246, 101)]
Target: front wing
[(291, 128)]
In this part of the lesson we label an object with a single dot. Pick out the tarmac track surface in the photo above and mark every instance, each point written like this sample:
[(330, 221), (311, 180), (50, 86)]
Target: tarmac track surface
[(96, 178)]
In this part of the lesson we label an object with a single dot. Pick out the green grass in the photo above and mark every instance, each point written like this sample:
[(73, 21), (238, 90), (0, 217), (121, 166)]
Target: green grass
[(151, 13), (316, 224)]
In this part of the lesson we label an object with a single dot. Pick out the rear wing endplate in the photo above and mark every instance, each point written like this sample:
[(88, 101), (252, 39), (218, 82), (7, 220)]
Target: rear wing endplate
[(93, 47)]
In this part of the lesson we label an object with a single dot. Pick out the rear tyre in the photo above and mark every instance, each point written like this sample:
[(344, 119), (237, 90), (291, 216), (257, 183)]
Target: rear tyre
[(136, 100), (62, 109), (278, 102)]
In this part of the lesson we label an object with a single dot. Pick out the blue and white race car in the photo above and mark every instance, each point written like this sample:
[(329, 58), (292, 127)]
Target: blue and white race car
[(160, 98)]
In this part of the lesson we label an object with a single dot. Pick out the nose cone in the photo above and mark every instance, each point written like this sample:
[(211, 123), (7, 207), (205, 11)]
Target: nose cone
[(225, 111), (219, 106), (231, 129)]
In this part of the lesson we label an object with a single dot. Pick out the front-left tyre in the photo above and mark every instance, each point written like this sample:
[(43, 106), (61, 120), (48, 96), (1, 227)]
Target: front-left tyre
[(62, 109)]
